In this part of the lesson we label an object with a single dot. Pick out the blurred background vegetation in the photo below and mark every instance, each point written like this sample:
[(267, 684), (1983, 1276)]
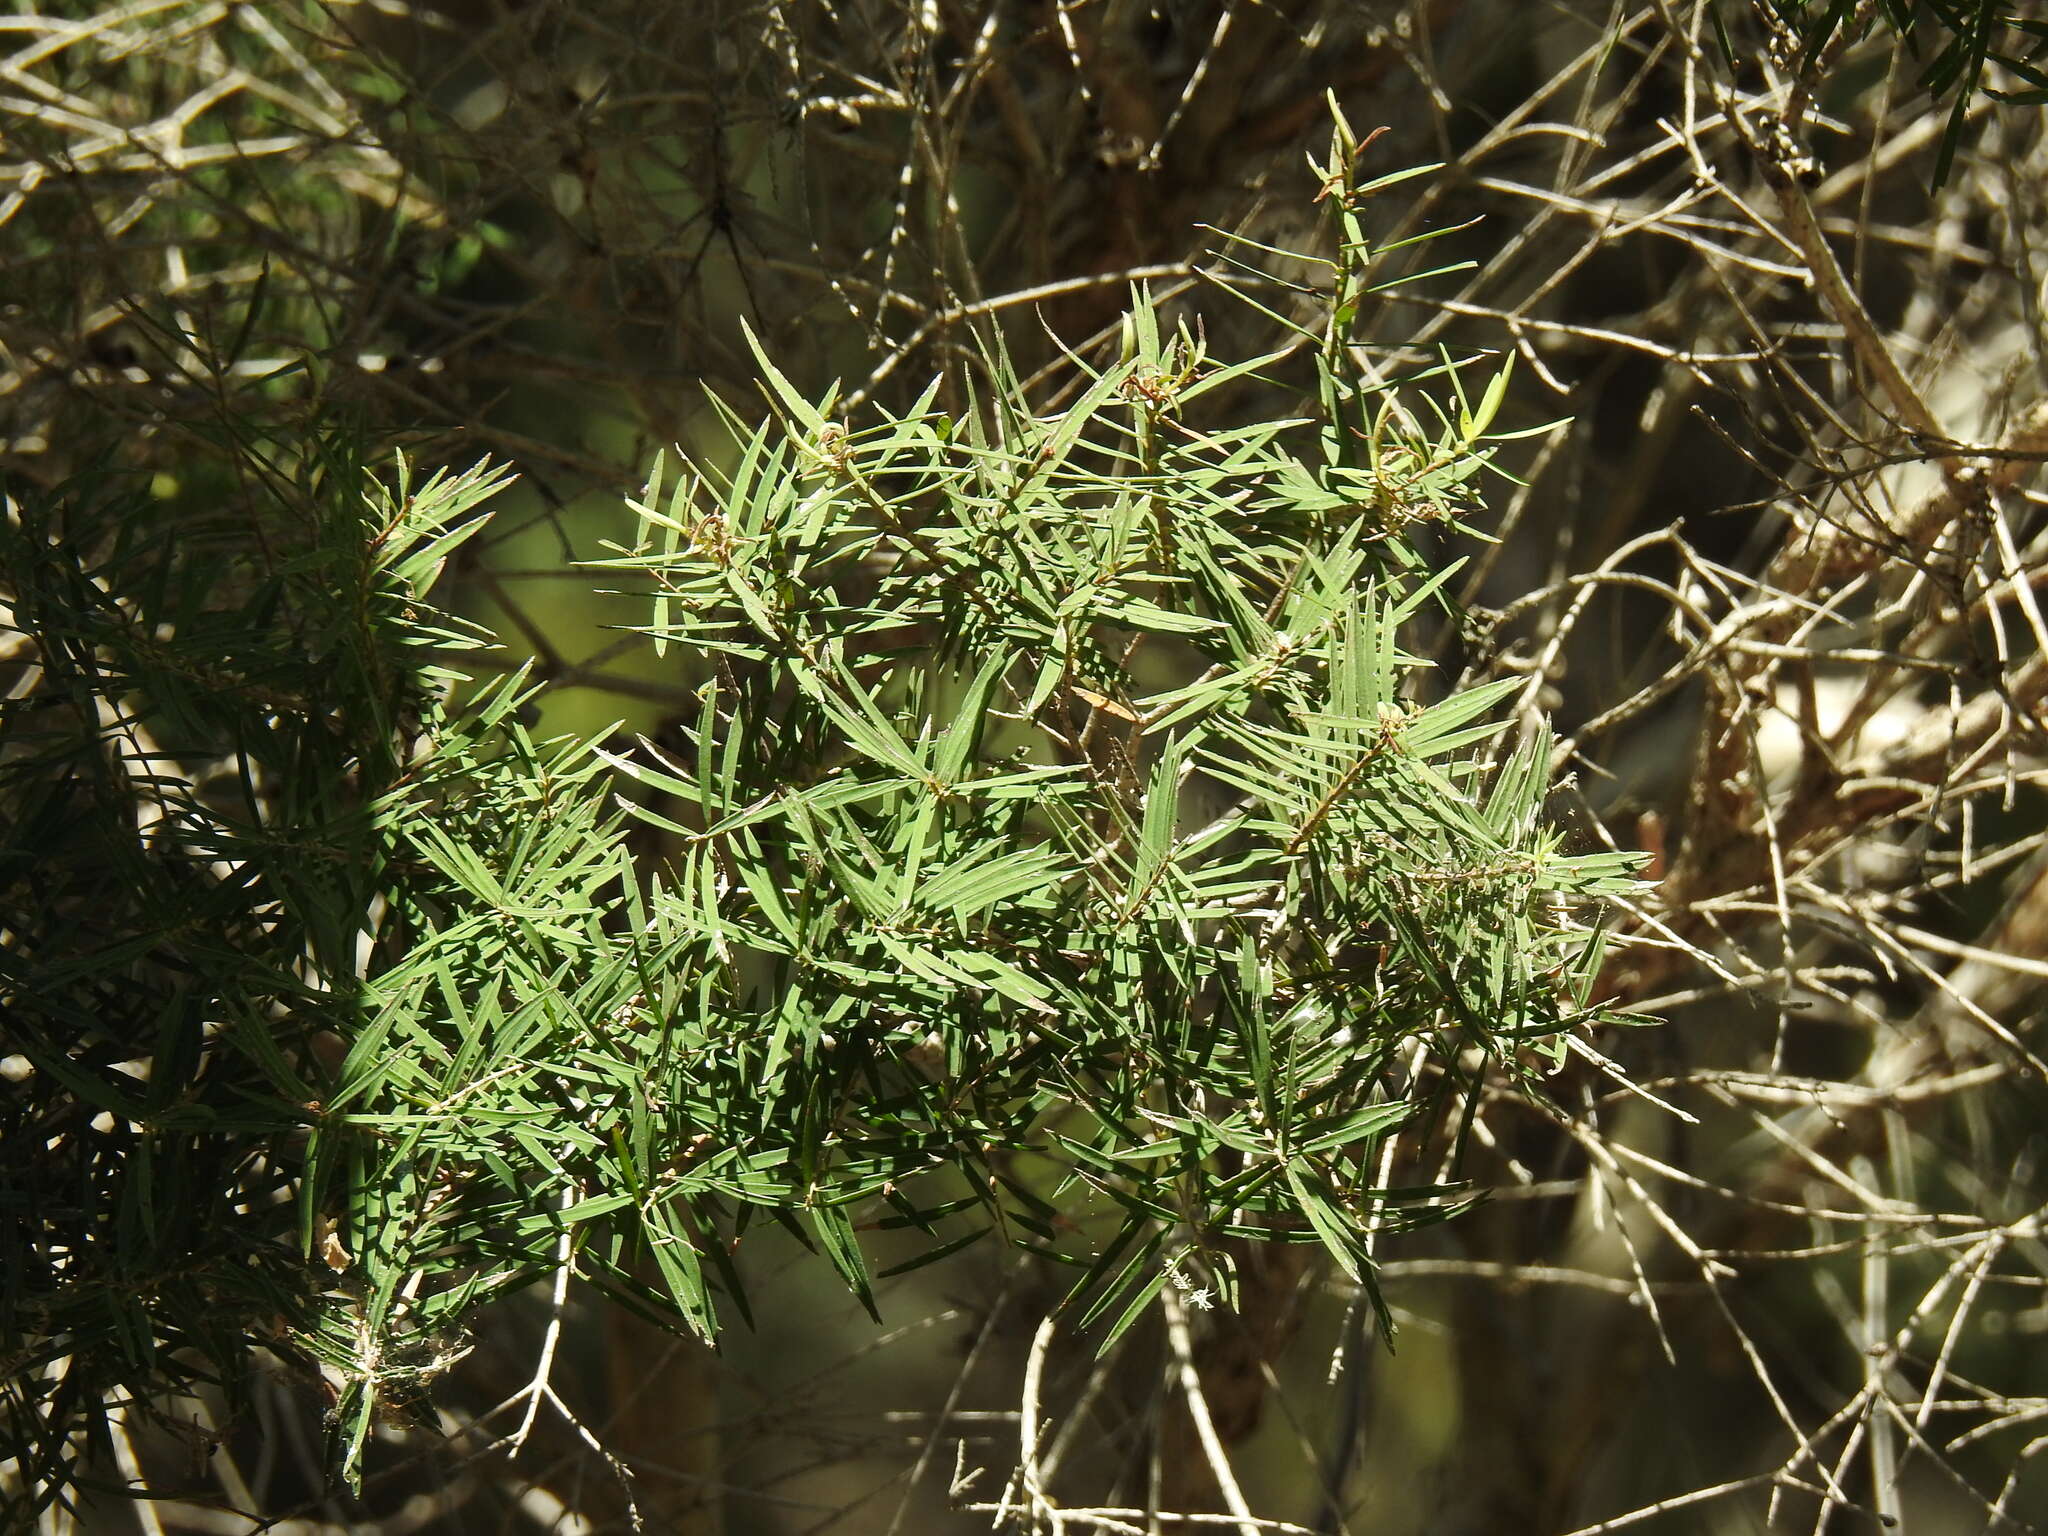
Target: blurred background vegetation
[(1774, 268)]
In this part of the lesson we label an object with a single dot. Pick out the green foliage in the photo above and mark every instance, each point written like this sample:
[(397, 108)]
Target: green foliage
[(213, 705), (1062, 811), (1063, 847), (975, 875)]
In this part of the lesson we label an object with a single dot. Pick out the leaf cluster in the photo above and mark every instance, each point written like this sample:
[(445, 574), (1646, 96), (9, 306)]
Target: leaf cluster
[(209, 708), (1062, 811), (1062, 846)]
